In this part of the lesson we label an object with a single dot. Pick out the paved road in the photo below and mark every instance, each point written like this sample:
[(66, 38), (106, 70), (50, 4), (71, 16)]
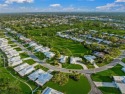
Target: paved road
[(94, 89)]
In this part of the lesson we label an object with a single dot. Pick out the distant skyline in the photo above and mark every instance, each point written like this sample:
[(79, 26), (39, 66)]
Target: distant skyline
[(7, 6)]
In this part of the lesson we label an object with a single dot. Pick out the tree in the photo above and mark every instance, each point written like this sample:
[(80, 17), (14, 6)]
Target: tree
[(60, 78)]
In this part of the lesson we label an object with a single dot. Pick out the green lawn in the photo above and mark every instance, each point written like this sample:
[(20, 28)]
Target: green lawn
[(40, 55), (18, 49), (109, 90), (72, 87), (41, 67), (106, 76), (90, 66), (30, 61), (72, 66), (123, 60), (24, 55), (69, 47)]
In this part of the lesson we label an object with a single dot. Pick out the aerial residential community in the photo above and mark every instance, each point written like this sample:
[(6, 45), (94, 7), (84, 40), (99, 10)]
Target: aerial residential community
[(62, 47)]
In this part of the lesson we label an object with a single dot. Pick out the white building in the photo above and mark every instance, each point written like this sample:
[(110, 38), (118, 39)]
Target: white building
[(74, 60), (63, 59), (49, 90), (123, 69), (14, 63), (43, 78), (120, 83), (35, 74), (44, 49), (49, 54), (90, 58), (26, 70), (20, 67)]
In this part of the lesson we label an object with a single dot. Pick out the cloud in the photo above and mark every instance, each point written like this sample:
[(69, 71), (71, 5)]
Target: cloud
[(18, 1), (55, 5), (120, 1), (118, 5), (3, 5)]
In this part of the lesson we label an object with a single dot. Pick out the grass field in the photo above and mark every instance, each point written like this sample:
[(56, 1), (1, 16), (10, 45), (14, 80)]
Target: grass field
[(41, 67), (24, 55), (109, 90), (30, 61), (106, 76), (72, 66), (72, 87), (123, 60), (67, 47), (18, 49), (40, 55)]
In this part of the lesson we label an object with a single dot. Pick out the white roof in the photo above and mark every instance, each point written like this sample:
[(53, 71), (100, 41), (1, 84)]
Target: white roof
[(74, 60), (35, 74), (49, 54), (43, 78), (118, 78), (26, 70), (123, 69), (13, 59), (63, 58), (20, 67), (121, 87), (49, 90), (90, 58), (45, 49), (15, 63)]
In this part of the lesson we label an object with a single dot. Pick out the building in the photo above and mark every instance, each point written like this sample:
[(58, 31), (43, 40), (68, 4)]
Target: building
[(26, 70), (63, 59), (74, 60), (99, 54), (120, 83), (49, 90), (123, 69), (20, 67), (90, 58), (49, 54), (35, 74), (43, 78)]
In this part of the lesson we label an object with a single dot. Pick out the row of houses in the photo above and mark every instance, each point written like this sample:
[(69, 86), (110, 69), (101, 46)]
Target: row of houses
[(39, 76), (12, 55), (82, 40)]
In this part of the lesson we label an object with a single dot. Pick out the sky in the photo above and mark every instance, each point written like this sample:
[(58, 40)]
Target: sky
[(7, 6)]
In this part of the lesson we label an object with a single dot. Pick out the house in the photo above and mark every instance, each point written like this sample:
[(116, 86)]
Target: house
[(45, 49), (37, 48), (74, 60), (99, 54), (26, 70), (14, 63), (120, 83), (35, 74), (31, 44), (43, 78), (14, 59), (90, 58), (63, 59), (49, 90), (49, 54), (20, 67), (123, 69)]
